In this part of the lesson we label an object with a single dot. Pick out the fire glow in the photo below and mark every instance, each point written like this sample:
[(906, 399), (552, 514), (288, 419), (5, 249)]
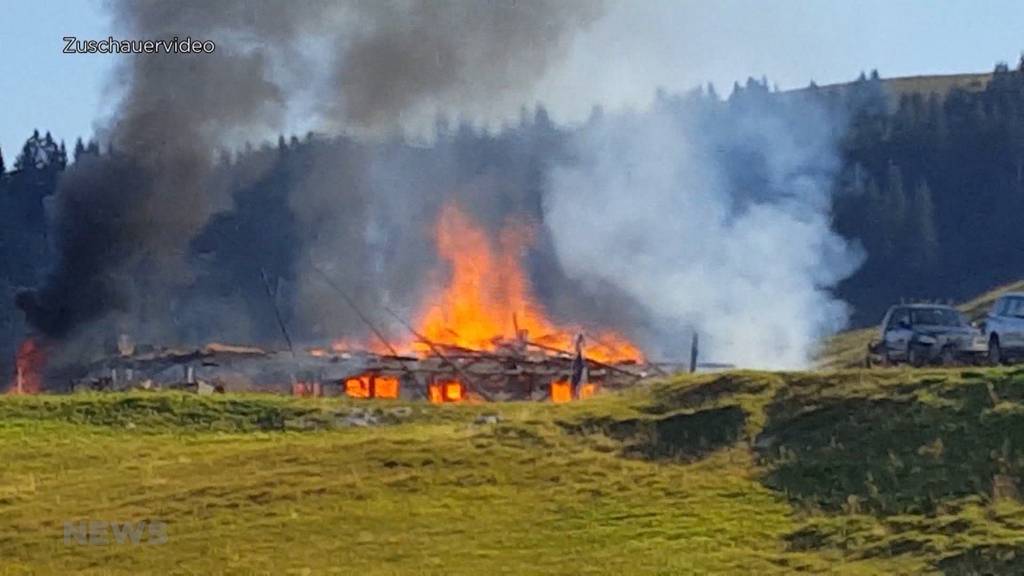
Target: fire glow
[(372, 386), (445, 392), (488, 298), (561, 391), (485, 304), (28, 371)]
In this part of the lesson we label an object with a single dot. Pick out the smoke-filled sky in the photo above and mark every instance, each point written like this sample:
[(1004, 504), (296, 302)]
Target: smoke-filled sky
[(651, 206), (633, 48)]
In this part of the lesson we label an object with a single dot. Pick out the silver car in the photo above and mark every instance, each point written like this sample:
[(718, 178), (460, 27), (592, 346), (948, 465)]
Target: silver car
[(920, 334), (1004, 327)]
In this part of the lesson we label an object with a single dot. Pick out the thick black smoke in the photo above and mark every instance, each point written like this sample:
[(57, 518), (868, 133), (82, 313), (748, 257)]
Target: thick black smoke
[(407, 59), (124, 221)]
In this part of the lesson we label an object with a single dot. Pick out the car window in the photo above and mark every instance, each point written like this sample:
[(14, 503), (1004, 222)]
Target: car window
[(1000, 307), (935, 317), (1012, 307), (899, 315), (1018, 307)]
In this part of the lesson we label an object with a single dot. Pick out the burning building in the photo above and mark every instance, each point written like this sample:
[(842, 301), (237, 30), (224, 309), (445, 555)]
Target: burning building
[(480, 335)]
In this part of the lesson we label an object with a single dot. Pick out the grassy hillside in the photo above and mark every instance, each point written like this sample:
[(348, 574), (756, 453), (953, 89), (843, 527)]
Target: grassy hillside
[(887, 471), (939, 84), (847, 349)]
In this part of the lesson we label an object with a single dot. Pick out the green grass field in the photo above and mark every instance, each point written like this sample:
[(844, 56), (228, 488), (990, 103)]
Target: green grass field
[(851, 472)]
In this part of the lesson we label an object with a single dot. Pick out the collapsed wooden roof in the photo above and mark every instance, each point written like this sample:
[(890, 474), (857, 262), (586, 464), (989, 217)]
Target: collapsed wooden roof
[(510, 367)]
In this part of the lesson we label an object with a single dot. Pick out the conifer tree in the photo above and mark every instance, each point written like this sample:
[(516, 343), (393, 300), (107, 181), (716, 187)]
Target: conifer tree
[(894, 210), (25, 160), (923, 234), (712, 93), (875, 219), (895, 195)]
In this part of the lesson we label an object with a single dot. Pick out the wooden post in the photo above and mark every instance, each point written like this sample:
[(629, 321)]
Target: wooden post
[(579, 369), (693, 352)]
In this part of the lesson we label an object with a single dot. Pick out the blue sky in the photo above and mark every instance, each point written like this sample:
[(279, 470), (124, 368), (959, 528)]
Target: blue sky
[(637, 47), (39, 85)]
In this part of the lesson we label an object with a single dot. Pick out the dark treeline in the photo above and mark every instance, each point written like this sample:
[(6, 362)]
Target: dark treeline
[(931, 185), (934, 189)]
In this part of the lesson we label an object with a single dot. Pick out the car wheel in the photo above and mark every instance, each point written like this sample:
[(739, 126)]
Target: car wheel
[(995, 352), (915, 356), (948, 358)]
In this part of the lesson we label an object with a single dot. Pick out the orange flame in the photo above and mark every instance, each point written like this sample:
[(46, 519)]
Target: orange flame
[(28, 371), (358, 387), (561, 392), (445, 392), (488, 289), (371, 386)]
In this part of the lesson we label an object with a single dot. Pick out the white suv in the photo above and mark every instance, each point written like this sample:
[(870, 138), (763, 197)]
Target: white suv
[(1004, 327)]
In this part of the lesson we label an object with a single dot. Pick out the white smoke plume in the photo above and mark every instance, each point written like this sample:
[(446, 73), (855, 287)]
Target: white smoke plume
[(653, 206)]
